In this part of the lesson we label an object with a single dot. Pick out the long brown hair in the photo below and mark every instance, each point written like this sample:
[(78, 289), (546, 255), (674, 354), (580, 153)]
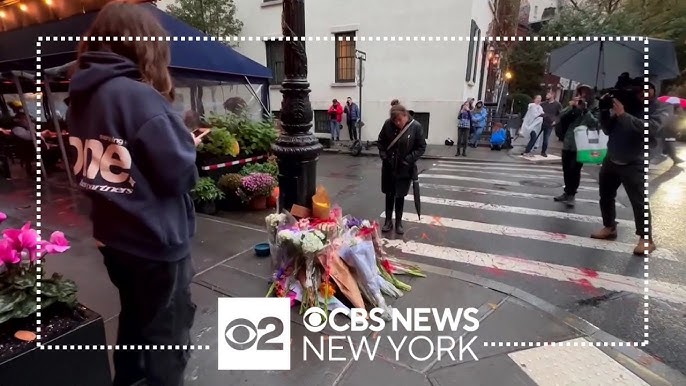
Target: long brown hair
[(123, 19)]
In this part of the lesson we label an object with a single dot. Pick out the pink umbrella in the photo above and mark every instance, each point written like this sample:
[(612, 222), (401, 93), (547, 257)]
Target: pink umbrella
[(672, 100)]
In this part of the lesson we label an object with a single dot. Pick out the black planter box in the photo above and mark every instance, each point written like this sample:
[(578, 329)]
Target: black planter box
[(24, 364)]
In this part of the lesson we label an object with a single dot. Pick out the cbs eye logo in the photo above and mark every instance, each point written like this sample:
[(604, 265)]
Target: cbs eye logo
[(242, 334), (315, 319)]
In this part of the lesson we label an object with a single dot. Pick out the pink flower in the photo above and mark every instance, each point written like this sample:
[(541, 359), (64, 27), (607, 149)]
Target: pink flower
[(57, 244), (24, 238), (3, 217), (8, 255), (292, 295)]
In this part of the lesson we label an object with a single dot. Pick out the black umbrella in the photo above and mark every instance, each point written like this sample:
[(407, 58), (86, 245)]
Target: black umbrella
[(417, 198), (599, 63)]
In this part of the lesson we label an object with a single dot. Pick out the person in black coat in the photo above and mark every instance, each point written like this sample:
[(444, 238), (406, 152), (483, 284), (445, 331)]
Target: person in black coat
[(399, 158)]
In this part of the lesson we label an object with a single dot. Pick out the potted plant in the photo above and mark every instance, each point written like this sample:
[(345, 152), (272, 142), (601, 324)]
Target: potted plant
[(270, 167), (63, 321), (206, 194), (218, 146), (254, 137), (255, 188), (229, 184)]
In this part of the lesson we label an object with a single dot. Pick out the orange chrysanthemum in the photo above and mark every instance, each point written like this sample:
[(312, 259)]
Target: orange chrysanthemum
[(327, 290)]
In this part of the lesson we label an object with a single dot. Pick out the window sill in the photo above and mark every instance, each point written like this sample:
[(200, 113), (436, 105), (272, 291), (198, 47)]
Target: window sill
[(271, 3), (275, 87), (343, 84)]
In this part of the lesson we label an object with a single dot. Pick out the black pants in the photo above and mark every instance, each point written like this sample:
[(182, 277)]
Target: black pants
[(571, 169), (462, 138), (545, 132), (633, 179), (352, 130), (394, 202), (156, 309)]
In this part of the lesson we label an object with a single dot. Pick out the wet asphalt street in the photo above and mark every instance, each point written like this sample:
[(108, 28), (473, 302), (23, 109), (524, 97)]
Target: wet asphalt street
[(498, 220)]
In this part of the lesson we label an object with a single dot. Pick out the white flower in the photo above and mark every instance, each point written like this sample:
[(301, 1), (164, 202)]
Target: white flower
[(274, 220), (311, 244), (366, 224), (320, 234), (288, 236)]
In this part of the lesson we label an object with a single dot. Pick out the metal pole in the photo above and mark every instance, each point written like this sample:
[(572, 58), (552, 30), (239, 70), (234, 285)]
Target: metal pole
[(32, 129), (296, 149), (56, 122)]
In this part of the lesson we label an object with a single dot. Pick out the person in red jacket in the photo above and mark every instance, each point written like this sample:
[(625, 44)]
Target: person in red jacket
[(335, 118)]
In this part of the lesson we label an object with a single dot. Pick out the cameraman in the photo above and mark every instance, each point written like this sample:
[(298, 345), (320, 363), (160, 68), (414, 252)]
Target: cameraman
[(577, 114), (624, 165)]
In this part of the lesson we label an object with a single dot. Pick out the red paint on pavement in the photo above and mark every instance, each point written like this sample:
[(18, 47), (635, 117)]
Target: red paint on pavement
[(557, 236), (493, 270), (436, 220), (425, 236), (586, 286), (589, 272)]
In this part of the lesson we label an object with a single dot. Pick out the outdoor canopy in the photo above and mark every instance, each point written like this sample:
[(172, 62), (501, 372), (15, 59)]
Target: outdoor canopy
[(201, 59), (599, 63)]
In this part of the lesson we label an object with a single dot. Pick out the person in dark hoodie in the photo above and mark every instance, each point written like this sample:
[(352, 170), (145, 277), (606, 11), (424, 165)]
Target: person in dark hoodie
[(136, 162), (401, 144), (625, 162)]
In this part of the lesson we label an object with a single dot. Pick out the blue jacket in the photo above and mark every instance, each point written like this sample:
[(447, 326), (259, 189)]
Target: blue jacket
[(479, 118), (352, 112), (135, 159), (498, 138)]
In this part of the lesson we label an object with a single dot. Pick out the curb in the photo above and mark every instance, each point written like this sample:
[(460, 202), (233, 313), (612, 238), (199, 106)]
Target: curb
[(632, 358)]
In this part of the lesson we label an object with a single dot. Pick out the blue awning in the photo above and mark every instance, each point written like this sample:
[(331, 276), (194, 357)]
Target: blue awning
[(209, 60)]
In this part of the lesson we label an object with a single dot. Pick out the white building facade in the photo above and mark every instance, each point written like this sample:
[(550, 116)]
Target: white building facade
[(432, 78)]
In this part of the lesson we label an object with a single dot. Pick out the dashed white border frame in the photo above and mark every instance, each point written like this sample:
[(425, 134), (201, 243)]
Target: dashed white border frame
[(646, 116)]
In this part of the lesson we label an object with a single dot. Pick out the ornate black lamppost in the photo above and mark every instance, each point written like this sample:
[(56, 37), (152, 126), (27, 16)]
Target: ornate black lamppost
[(296, 149)]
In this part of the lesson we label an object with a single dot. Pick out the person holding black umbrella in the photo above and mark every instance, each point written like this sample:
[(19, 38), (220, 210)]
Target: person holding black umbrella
[(401, 144)]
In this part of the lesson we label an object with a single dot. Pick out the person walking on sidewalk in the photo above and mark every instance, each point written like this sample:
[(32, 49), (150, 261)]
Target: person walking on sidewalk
[(464, 124), (400, 147), (577, 114), (479, 118), (552, 109), (335, 119), (352, 116), (670, 133), (532, 123), (143, 217), (624, 165)]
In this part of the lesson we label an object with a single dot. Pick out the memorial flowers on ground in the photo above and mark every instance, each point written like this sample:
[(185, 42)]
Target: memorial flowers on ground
[(333, 262)]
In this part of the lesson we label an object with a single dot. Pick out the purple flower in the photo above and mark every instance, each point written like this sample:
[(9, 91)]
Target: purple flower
[(353, 222), (258, 184)]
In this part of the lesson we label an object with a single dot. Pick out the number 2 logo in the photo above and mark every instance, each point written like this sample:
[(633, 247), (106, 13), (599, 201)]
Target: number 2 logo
[(272, 325)]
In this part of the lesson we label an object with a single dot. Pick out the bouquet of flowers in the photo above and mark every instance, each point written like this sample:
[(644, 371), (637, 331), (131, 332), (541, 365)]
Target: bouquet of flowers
[(19, 251), (256, 185)]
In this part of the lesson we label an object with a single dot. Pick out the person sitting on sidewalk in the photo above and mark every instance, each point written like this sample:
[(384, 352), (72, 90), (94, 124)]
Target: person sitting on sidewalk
[(479, 118), (624, 165), (498, 137), (577, 114)]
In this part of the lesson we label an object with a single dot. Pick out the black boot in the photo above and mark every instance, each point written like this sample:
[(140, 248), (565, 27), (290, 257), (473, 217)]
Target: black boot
[(388, 224), (399, 205)]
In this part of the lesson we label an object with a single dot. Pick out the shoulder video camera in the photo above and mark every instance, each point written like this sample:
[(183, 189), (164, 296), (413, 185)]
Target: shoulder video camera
[(628, 96)]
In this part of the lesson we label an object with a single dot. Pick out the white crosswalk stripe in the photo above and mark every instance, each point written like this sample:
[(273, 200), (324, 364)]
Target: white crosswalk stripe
[(534, 175), (506, 193), (489, 181), (461, 216)]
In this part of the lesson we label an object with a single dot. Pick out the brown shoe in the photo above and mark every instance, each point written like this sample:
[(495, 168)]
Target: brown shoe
[(641, 248), (607, 233)]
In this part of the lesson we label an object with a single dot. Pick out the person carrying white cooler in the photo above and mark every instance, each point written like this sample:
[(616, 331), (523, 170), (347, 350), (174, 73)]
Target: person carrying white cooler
[(578, 114)]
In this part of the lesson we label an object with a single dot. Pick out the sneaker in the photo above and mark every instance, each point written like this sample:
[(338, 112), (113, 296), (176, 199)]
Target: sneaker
[(641, 248), (388, 226), (569, 201), (544, 154), (606, 233), (464, 153)]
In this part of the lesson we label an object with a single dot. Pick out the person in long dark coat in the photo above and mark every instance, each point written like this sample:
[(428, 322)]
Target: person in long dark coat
[(399, 166)]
